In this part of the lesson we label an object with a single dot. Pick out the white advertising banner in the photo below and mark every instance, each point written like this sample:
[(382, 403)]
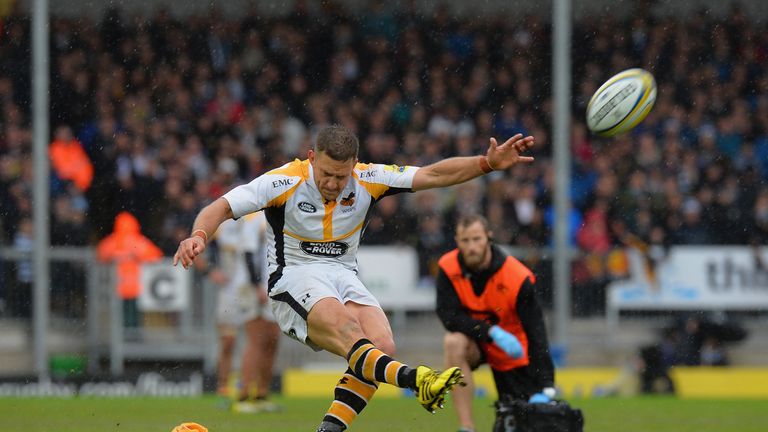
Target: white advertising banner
[(164, 288), (391, 274), (696, 277)]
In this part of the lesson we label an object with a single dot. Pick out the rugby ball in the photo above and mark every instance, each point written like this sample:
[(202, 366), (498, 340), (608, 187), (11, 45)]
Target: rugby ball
[(621, 103)]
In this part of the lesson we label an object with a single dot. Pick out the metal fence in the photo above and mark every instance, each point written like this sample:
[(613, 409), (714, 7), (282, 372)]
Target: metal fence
[(87, 317)]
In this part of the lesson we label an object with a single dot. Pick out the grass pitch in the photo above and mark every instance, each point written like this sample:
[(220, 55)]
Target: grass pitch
[(158, 414)]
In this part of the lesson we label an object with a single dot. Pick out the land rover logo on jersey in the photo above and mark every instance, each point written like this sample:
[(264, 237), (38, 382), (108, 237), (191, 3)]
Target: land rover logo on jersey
[(330, 249), (307, 207)]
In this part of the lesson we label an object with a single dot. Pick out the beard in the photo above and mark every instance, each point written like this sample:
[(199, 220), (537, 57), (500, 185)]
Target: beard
[(475, 260)]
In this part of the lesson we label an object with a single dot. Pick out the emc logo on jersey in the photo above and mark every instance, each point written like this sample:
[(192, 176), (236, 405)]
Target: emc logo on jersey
[(282, 183), (307, 207)]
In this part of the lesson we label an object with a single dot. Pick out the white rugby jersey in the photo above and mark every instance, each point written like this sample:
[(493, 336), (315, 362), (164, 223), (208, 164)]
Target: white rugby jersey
[(302, 228), (234, 239)]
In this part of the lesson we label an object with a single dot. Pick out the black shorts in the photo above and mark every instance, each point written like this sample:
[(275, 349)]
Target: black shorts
[(518, 383)]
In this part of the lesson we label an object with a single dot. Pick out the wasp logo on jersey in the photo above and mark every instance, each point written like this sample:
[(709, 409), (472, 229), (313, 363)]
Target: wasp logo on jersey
[(307, 207), (349, 200), (330, 249)]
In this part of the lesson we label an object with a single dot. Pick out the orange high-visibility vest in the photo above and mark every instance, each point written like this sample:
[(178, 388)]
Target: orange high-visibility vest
[(71, 162), (128, 248), (497, 301)]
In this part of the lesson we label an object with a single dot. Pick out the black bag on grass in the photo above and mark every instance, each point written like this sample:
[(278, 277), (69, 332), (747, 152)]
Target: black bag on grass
[(520, 416)]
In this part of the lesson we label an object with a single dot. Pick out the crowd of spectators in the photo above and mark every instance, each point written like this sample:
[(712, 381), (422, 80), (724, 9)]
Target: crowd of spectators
[(172, 112)]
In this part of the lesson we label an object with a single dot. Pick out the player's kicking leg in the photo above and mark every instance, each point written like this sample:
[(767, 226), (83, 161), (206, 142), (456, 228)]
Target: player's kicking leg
[(332, 326)]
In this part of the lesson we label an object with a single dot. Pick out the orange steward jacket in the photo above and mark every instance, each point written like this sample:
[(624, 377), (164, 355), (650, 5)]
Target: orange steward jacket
[(70, 162), (128, 249), (471, 302)]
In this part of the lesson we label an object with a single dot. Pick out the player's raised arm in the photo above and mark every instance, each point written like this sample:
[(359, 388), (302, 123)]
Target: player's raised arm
[(457, 170), (206, 224)]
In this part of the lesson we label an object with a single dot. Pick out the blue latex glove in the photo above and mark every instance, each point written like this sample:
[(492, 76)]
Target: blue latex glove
[(544, 396), (506, 341), (539, 398)]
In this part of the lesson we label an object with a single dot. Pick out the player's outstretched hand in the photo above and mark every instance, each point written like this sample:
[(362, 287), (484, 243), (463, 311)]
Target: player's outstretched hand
[(503, 156), (188, 249)]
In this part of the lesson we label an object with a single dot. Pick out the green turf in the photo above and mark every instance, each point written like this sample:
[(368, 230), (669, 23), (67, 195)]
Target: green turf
[(147, 415)]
